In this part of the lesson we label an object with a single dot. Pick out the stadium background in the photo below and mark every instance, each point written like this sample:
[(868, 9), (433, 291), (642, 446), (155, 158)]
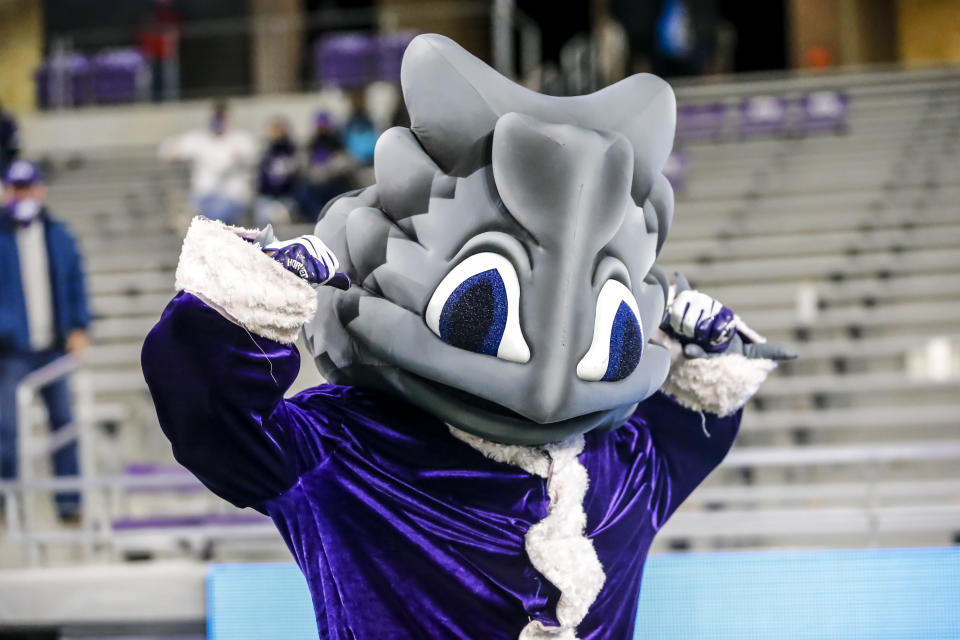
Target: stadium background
[(817, 180)]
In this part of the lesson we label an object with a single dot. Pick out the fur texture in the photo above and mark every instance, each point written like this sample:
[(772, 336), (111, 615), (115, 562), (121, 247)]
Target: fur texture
[(239, 280), (557, 545), (533, 460), (719, 385)]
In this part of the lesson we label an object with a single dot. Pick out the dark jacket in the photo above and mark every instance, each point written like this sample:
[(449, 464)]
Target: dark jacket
[(278, 170), (9, 141), (69, 295)]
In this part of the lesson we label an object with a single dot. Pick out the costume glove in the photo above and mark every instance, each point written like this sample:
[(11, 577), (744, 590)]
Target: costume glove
[(706, 328), (306, 256)]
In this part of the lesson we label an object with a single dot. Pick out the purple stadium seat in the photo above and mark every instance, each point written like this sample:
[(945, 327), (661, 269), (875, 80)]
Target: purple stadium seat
[(64, 81), (823, 111), (700, 121), (391, 48), (119, 76), (347, 60), (675, 170), (188, 484), (763, 115)]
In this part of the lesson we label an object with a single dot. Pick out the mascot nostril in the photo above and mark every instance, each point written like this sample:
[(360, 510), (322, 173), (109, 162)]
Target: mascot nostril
[(517, 398)]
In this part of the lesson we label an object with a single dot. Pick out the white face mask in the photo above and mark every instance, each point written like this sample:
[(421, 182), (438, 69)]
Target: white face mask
[(25, 211)]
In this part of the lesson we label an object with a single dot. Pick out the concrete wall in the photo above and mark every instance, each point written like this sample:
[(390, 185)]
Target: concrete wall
[(929, 30), (466, 22), (856, 32), (852, 32), (21, 48), (276, 50)]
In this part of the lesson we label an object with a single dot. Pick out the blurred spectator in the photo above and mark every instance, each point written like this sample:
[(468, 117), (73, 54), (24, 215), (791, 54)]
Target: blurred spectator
[(9, 140), (328, 168), (686, 38), (43, 313), (221, 161), (277, 181), (670, 37), (818, 58), (159, 43), (359, 133)]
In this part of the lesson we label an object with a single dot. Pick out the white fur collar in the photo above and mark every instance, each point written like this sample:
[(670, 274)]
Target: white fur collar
[(558, 546)]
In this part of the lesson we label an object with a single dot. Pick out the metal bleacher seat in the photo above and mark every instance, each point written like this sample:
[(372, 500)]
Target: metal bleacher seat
[(844, 242), (841, 239)]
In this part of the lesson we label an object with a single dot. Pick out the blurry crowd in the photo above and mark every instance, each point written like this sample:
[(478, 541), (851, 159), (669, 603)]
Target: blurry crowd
[(290, 180), (44, 310)]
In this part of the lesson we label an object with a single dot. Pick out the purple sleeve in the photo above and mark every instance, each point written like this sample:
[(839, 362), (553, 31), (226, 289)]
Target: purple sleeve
[(218, 391), (688, 445)]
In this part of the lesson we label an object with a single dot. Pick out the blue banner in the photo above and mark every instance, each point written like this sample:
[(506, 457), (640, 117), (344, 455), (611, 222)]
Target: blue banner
[(856, 594)]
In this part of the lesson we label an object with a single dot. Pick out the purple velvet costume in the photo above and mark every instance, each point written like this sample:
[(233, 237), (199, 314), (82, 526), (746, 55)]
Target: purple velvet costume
[(402, 530)]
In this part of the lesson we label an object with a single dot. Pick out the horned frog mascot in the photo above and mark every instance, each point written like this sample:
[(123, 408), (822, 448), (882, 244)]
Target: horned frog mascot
[(507, 425)]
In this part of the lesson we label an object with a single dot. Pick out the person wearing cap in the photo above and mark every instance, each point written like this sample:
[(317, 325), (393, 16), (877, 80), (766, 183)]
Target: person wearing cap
[(222, 160), (43, 315)]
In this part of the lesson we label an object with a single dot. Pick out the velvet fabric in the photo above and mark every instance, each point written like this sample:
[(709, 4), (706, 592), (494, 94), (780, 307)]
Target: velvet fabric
[(402, 530)]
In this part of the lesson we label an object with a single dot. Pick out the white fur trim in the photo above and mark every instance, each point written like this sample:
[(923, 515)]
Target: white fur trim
[(557, 545), (248, 287), (533, 460), (720, 385), (536, 630)]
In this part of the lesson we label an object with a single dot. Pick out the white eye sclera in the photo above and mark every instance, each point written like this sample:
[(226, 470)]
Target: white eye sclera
[(617, 336), (477, 307)]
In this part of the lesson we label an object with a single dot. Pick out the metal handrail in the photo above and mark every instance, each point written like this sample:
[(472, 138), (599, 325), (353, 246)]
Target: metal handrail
[(62, 366), (172, 480), (20, 515)]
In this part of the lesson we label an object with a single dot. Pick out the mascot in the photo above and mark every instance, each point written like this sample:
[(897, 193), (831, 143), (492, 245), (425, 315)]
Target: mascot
[(518, 399)]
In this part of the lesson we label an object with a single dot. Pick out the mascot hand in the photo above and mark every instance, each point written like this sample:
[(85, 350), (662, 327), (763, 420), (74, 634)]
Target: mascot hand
[(707, 328), (305, 256)]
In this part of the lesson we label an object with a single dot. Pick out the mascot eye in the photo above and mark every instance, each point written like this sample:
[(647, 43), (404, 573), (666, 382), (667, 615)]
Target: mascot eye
[(617, 336), (477, 307)]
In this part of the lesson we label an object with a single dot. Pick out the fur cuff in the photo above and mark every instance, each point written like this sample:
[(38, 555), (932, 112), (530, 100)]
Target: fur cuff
[(719, 385), (241, 282)]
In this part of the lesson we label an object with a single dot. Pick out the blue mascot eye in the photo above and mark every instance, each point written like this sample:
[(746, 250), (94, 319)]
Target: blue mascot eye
[(625, 344), (476, 307), (617, 336), (475, 315)]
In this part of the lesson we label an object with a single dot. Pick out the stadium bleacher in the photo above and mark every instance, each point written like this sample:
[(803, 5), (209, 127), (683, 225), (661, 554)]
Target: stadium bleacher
[(841, 240)]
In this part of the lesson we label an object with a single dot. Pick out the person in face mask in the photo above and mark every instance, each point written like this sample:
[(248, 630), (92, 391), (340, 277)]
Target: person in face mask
[(221, 164), (43, 314)]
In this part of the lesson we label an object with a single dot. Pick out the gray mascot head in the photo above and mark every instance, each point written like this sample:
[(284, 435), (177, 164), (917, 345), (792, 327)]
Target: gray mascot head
[(504, 259)]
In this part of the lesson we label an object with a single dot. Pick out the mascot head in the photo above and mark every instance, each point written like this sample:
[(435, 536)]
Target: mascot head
[(504, 259)]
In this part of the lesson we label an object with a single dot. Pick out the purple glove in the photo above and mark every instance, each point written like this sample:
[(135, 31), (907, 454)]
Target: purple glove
[(309, 258), (706, 328), (697, 318)]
